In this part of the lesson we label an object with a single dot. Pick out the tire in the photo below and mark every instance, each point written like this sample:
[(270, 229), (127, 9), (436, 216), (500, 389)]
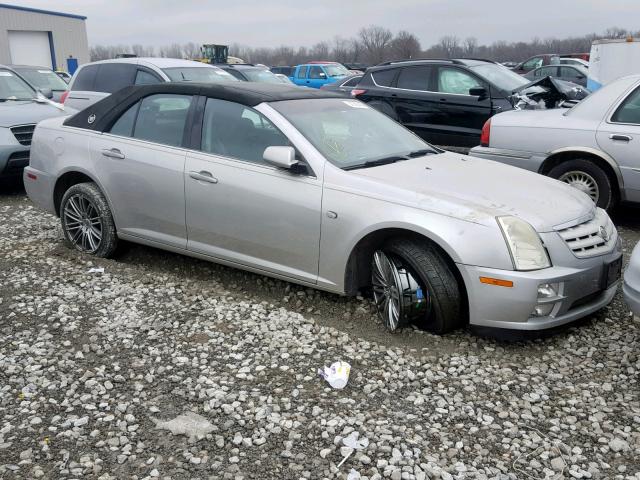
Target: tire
[(385, 108), (442, 311), (87, 222), (588, 177)]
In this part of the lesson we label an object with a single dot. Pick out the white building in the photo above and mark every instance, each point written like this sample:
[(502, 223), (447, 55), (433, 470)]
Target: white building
[(30, 36)]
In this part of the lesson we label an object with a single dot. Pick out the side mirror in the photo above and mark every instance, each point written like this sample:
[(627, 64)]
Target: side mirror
[(46, 92), (479, 92), (281, 157)]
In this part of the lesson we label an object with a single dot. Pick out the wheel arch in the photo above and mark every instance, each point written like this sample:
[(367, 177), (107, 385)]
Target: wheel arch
[(71, 177), (358, 268), (600, 158)]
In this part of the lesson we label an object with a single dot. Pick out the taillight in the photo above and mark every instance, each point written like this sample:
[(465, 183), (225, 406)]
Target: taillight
[(357, 91), (64, 95), (485, 136)]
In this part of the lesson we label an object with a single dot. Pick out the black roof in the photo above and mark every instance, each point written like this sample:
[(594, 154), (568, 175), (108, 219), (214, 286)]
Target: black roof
[(430, 61), (102, 113)]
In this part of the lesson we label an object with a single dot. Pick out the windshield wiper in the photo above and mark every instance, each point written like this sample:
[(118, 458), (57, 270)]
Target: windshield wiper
[(377, 162), (421, 153)]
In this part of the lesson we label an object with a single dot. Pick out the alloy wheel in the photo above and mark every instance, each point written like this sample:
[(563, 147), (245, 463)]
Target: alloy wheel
[(386, 292), (583, 182), (82, 223)]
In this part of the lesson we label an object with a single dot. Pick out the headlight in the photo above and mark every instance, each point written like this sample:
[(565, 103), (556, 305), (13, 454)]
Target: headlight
[(527, 251)]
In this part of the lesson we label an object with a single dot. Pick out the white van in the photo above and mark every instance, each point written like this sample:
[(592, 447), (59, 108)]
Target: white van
[(612, 59)]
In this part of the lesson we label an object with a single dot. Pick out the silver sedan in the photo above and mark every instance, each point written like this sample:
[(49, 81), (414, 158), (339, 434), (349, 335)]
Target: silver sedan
[(631, 286), (327, 192)]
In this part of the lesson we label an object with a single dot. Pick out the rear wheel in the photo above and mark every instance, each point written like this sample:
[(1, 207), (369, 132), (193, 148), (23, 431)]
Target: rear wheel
[(589, 178), (412, 282), (86, 220)]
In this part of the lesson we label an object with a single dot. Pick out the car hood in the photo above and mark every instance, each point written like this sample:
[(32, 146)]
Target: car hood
[(21, 113), (479, 190)]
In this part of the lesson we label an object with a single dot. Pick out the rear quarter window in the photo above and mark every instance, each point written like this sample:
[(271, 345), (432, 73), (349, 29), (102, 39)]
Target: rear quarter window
[(384, 78), (85, 79), (111, 77)]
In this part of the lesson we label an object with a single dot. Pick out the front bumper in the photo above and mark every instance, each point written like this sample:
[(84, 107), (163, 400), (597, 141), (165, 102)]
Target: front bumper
[(581, 292), (13, 159), (516, 158)]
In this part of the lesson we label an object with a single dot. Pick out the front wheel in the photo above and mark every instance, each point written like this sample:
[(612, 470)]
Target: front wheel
[(589, 178), (412, 282), (87, 222)]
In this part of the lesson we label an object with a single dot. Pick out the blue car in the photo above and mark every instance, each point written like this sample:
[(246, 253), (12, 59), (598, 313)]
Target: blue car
[(315, 75)]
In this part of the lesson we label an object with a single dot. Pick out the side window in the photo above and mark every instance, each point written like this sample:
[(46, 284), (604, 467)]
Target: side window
[(162, 118), (85, 79), (629, 111), (316, 72), (570, 73), (234, 130), (384, 78), (235, 73), (535, 62), (545, 72), (112, 77), (124, 125), (414, 78), (302, 72), (146, 78), (452, 80)]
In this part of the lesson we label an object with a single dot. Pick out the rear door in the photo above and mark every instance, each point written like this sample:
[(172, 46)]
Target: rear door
[(619, 136), (462, 115), (572, 74), (141, 164)]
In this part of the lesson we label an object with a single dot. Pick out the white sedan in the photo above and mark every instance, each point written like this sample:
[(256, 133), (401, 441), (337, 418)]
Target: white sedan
[(592, 146)]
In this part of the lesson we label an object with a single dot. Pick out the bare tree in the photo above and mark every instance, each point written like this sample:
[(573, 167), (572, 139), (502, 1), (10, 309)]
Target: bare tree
[(320, 51), (376, 41), (191, 50), (450, 46), (405, 45), (470, 46)]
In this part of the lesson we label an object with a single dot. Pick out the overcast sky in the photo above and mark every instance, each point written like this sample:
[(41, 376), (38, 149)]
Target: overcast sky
[(277, 22)]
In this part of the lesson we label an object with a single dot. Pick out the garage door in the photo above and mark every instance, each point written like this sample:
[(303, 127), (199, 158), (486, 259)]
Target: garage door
[(30, 48)]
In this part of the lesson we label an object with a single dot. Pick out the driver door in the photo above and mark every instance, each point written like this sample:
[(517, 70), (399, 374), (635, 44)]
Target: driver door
[(240, 209)]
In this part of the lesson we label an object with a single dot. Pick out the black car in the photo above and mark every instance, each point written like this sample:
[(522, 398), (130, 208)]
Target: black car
[(571, 73), (446, 102), (250, 73), (344, 85), (284, 70)]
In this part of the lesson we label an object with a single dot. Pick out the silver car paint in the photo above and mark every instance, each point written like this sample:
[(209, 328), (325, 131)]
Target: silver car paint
[(304, 228), (527, 138), (631, 287)]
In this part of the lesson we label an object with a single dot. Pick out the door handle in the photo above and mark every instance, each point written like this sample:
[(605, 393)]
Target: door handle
[(203, 176), (443, 99), (113, 153), (621, 138)]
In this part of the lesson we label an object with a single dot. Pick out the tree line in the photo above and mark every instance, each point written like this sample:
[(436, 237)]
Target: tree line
[(373, 45)]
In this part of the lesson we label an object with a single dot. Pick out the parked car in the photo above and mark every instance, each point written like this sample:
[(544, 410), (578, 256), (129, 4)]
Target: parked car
[(283, 78), (94, 81), (251, 73), (21, 108), (64, 76), (316, 75), (313, 188), (42, 78), (283, 70), (344, 85), (592, 146), (571, 73), (446, 102), (631, 287), (537, 61), (574, 61)]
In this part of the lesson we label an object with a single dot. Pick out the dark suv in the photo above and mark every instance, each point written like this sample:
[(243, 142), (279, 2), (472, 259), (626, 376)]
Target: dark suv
[(446, 102)]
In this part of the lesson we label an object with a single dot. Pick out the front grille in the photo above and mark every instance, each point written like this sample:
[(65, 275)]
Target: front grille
[(594, 237), (23, 133)]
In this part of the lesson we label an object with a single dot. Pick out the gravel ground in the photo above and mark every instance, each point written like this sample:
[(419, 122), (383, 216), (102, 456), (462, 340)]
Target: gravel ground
[(165, 366)]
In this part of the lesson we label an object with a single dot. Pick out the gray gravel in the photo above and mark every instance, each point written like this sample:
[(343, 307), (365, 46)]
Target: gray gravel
[(169, 367)]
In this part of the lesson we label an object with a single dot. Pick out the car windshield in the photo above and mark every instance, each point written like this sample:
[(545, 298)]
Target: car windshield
[(260, 75), (198, 74), (336, 70), (349, 133), (13, 87), (500, 76), (42, 78)]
